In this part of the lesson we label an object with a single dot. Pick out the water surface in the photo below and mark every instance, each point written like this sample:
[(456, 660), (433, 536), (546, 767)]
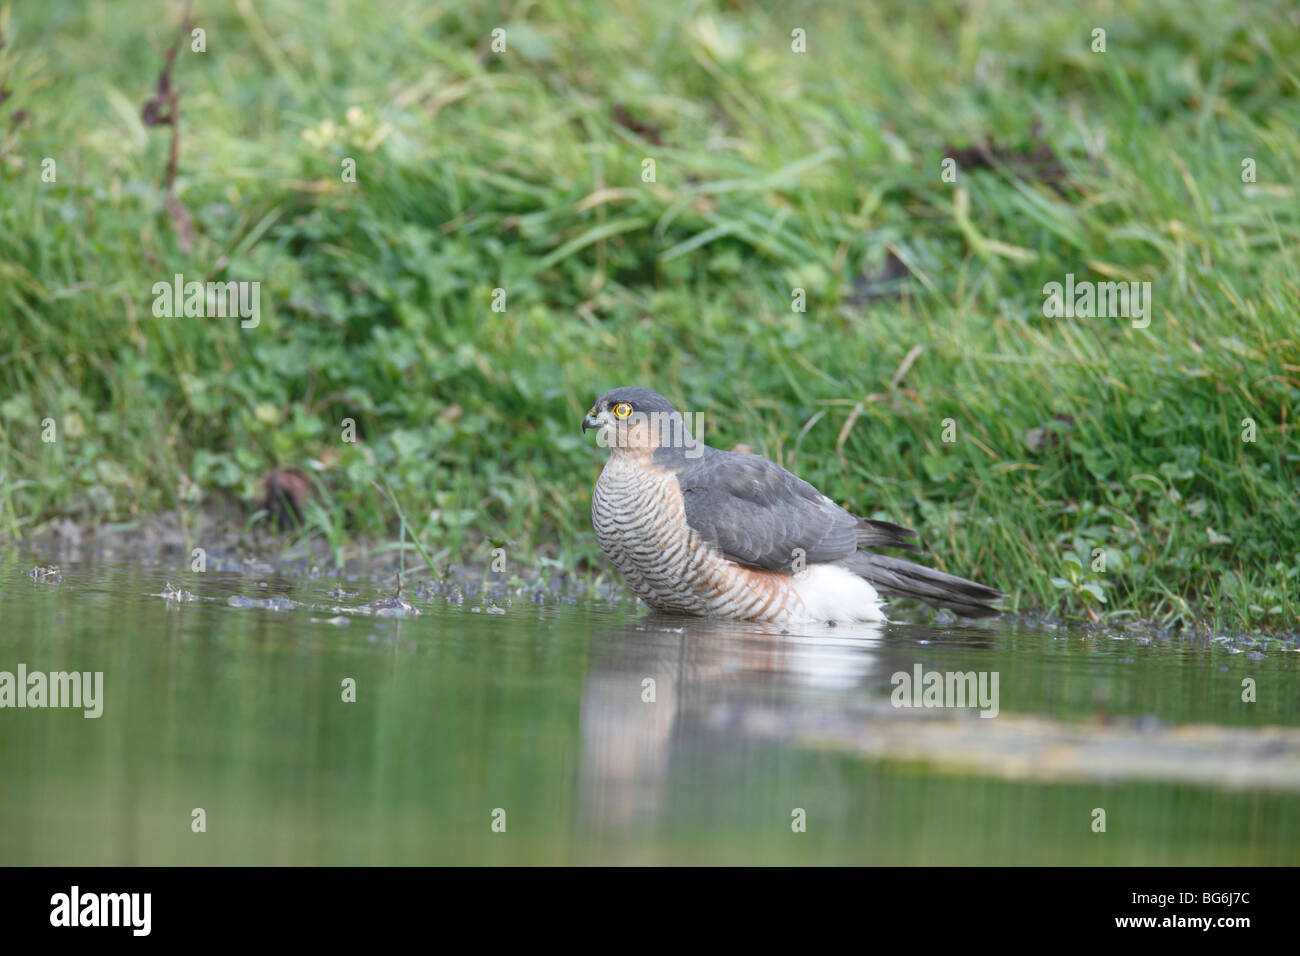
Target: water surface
[(537, 705)]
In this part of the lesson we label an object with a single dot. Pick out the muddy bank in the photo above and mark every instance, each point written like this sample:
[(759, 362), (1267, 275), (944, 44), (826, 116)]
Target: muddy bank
[(221, 538), (231, 542)]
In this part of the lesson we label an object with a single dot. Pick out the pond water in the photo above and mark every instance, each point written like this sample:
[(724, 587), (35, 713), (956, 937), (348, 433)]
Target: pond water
[(540, 729)]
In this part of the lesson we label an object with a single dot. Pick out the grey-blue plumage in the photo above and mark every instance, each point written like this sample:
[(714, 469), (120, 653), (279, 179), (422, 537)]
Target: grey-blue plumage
[(762, 516)]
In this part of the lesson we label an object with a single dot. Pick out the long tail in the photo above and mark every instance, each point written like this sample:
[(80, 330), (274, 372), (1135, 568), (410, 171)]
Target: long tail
[(905, 579)]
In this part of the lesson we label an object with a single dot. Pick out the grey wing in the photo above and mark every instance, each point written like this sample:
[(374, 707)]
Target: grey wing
[(760, 515)]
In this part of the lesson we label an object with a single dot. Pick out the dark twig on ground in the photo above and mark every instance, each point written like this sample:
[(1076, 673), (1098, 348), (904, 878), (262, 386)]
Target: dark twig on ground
[(163, 109)]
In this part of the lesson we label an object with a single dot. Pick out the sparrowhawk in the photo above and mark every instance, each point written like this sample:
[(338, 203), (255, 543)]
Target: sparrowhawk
[(697, 530)]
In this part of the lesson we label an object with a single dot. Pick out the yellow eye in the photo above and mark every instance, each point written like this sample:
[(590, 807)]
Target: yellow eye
[(622, 410)]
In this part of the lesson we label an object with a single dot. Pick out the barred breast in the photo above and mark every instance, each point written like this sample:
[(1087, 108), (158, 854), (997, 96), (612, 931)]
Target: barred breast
[(640, 522)]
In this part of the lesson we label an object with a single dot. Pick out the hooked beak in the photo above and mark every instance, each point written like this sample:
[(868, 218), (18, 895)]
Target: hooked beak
[(589, 421)]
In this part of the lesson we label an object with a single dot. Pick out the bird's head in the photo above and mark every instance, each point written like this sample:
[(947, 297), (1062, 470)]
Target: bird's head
[(636, 420)]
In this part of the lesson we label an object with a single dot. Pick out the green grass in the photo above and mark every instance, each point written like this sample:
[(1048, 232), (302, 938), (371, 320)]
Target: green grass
[(774, 170)]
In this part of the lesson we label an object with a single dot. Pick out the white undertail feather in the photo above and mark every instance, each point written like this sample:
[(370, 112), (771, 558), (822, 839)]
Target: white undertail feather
[(832, 593)]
